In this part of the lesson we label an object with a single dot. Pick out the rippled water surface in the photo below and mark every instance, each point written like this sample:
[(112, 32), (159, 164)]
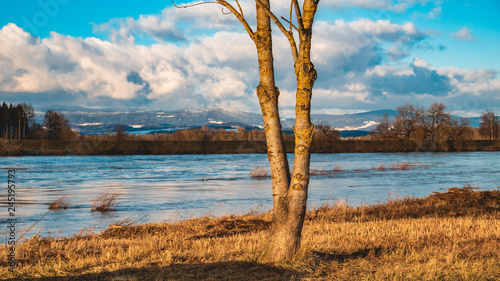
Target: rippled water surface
[(171, 187)]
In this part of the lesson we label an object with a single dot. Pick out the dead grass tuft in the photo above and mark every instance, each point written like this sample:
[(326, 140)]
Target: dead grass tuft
[(259, 172), (60, 203), (396, 166), (380, 168), (336, 169), (401, 166), (105, 202), (456, 202)]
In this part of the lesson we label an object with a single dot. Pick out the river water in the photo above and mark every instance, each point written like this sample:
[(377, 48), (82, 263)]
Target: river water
[(156, 188)]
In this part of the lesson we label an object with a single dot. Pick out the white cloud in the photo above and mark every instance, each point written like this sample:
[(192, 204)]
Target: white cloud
[(102, 69), (464, 34), (361, 64)]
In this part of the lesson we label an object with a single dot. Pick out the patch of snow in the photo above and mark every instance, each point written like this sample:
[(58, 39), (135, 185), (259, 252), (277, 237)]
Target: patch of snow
[(89, 124), (136, 126), (366, 125), (215, 122)]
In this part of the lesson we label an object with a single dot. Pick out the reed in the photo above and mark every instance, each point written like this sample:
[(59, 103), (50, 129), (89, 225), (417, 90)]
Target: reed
[(59, 203), (259, 172), (105, 202)]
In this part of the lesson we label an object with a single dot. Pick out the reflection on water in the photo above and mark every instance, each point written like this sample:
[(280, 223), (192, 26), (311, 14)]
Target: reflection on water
[(172, 187)]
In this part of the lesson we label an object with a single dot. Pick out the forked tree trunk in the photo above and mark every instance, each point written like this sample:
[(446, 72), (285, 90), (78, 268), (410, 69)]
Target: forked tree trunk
[(289, 193)]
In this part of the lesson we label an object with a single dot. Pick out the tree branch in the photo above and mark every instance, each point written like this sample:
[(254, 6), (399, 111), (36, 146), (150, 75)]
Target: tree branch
[(241, 10), (288, 34), (238, 16), (232, 10), (192, 5), (291, 24), (298, 14)]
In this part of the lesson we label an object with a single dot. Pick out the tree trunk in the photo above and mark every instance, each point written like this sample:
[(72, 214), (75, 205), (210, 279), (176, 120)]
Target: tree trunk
[(290, 213), (268, 98), (289, 193)]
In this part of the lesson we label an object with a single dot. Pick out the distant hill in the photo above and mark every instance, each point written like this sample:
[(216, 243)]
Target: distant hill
[(365, 121), (96, 121)]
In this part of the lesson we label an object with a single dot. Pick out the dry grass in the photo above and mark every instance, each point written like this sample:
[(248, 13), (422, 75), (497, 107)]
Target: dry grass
[(401, 166), (380, 168), (105, 202), (336, 169), (397, 166), (259, 172), (60, 203), (446, 236)]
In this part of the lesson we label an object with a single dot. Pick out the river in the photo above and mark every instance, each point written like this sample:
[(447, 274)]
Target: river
[(156, 188)]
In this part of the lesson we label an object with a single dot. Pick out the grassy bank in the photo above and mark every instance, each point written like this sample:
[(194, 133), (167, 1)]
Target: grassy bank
[(446, 236), (127, 147)]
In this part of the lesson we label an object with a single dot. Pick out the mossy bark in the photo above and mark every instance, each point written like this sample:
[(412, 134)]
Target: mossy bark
[(289, 191), (290, 211), (268, 94)]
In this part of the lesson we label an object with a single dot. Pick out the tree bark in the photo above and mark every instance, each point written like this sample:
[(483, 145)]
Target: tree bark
[(268, 94), (291, 209), (289, 192)]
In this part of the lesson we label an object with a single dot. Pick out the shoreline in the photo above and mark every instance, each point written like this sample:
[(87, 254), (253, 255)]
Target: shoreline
[(449, 235), (85, 147)]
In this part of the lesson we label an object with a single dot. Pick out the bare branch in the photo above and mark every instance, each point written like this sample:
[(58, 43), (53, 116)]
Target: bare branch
[(192, 5), (241, 10), (238, 16), (288, 34), (225, 13), (298, 14), (291, 24), (232, 10)]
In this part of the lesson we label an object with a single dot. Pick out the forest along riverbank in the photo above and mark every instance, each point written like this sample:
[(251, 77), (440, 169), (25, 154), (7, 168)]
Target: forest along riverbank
[(452, 235), (96, 147)]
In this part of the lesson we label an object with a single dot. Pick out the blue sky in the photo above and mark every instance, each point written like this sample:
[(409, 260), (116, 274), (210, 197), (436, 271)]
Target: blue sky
[(370, 55)]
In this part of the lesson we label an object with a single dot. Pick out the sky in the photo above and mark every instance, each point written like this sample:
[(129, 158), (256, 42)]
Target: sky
[(137, 55)]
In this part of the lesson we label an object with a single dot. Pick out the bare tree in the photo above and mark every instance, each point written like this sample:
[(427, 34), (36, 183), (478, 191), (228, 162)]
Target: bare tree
[(460, 130), (407, 123), (437, 125), (57, 126), (324, 137), (384, 129), (289, 189), (490, 126)]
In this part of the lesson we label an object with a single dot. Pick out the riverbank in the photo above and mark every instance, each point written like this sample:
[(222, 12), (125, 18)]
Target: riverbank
[(107, 147), (447, 236)]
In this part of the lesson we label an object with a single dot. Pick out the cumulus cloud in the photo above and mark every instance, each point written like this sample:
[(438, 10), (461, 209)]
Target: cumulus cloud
[(342, 48), (203, 58), (121, 71), (421, 80), (464, 34)]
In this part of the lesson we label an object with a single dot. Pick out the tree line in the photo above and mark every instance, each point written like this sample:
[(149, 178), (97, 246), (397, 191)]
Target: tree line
[(412, 123), (415, 124), (17, 122)]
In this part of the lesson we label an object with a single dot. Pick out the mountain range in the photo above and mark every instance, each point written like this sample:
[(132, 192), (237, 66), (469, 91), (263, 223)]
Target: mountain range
[(92, 121)]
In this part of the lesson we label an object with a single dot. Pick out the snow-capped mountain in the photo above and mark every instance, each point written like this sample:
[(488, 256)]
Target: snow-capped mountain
[(91, 121)]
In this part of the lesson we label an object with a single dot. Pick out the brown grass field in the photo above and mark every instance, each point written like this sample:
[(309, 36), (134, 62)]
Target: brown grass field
[(446, 236)]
